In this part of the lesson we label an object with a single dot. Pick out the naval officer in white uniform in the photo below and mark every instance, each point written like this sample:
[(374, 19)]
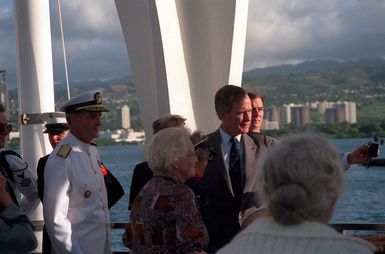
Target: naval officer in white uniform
[(75, 197)]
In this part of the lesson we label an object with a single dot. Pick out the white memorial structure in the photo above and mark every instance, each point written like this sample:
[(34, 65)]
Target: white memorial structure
[(181, 52)]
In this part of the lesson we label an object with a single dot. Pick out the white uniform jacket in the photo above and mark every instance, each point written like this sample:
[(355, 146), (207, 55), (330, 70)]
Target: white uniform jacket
[(75, 200), (24, 185)]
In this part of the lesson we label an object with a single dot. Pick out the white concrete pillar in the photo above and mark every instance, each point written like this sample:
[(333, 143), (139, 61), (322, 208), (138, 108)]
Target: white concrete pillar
[(181, 52), (35, 77)]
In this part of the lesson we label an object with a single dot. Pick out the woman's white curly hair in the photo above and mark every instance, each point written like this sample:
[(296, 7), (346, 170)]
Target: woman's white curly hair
[(167, 147), (300, 179)]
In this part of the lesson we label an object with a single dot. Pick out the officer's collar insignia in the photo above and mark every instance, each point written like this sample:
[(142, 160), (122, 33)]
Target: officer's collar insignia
[(98, 98), (64, 151)]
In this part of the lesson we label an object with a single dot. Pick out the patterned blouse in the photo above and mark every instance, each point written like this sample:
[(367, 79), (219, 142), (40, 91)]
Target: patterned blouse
[(165, 219)]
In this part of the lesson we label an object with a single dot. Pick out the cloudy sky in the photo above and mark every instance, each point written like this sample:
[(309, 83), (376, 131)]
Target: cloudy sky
[(279, 32)]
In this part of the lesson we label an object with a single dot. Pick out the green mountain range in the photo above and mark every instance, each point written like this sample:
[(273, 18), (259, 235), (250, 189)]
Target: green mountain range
[(360, 81)]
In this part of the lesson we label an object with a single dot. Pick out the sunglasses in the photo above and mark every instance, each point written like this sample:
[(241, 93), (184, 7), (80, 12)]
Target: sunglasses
[(5, 127)]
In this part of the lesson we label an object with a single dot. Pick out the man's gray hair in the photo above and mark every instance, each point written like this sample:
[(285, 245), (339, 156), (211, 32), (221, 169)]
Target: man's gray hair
[(166, 121), (167, 147), (227, 96), (301, 178)]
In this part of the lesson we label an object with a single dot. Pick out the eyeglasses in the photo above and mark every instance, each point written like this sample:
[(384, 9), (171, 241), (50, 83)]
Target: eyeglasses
[(5, 127)]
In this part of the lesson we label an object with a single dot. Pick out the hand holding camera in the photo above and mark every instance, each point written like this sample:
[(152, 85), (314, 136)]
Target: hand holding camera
[(364, 153), (372, 150)]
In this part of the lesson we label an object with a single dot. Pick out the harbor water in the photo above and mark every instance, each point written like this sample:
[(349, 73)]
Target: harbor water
[(361, 201)]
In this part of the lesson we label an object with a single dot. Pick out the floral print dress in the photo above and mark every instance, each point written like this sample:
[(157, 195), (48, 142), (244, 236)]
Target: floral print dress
[(165, 218)]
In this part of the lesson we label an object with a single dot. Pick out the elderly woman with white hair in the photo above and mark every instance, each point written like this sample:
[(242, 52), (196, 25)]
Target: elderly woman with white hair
[(299, 184), (165, 217)]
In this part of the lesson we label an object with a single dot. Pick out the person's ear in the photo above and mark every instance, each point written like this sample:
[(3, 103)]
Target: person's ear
[(221, 114)]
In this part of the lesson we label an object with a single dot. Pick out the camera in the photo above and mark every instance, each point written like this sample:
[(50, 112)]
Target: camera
[(372, 150)]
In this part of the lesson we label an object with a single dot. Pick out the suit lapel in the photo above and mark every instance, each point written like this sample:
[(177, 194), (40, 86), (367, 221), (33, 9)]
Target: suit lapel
[(250, 150), (217, 161)]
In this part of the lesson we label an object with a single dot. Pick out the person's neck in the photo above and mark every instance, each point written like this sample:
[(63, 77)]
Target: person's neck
[(84, 140), (231, 134)]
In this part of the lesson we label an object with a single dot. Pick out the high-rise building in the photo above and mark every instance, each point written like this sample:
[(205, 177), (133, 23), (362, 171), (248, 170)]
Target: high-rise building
[(351, 113), (285, 117), (296, 114), (331, 115), (300, 114), (4, 92), (339, 112), (125, 117), (272, 113)]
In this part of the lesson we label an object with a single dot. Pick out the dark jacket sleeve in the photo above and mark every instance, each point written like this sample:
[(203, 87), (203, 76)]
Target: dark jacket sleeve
[(142, 174), (16, 231), (40, 176)]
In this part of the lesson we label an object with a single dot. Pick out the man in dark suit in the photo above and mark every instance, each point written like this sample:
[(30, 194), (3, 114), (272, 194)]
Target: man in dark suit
[(229, 198)]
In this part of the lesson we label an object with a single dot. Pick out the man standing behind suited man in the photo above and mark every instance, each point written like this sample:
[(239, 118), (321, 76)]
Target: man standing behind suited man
[(57, 128), (229, 178), (75, 197), (257, 105)]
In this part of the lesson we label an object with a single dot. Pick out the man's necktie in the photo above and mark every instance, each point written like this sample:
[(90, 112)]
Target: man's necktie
[(235, 171)]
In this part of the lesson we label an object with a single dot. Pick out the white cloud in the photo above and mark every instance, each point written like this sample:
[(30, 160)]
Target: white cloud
[(96, 16), (279, 31), (282, 31), (94, 41)]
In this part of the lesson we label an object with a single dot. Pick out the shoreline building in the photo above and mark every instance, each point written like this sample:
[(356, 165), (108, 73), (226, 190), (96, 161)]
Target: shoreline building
[(299, 114), (4, 92), (124, 117), (276, 117), (340, 112)]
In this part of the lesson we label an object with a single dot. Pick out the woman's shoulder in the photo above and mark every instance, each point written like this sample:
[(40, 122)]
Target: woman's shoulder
[(308, 237), (173, 186), (356, 245)]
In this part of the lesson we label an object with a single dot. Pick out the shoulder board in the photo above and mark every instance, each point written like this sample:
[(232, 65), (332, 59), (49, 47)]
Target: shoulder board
[(64, 151)]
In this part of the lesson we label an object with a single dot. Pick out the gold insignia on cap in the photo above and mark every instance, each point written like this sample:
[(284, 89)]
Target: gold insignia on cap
[(64, 150), (87, 193), (98, 98)]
